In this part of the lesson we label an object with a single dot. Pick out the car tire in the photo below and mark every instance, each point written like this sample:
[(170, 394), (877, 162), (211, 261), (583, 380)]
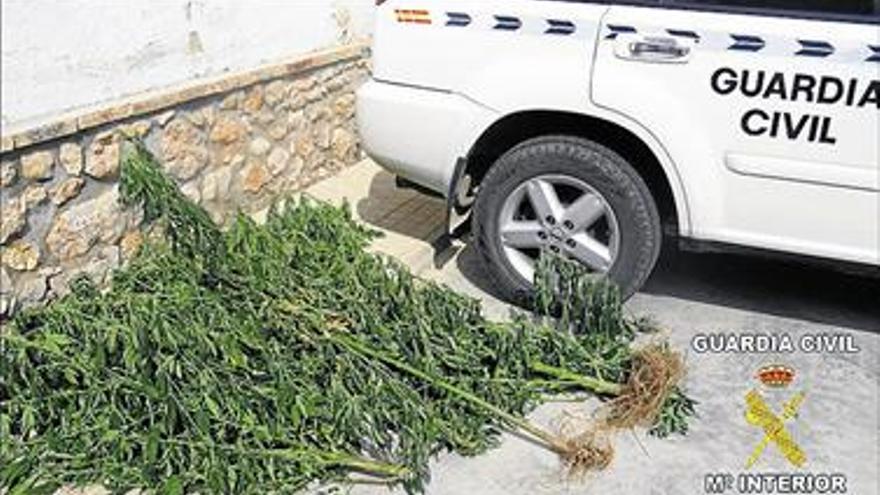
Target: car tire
[(565, 163)]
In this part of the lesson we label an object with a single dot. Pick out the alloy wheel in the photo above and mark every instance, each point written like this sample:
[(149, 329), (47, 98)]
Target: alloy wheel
[(563, 215)]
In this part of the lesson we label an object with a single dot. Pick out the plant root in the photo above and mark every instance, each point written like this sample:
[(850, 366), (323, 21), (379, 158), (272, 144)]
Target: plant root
[(656, 371), (588, 451)]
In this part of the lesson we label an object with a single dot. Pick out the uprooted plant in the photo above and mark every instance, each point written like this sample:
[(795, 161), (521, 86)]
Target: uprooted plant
[(263, 358)]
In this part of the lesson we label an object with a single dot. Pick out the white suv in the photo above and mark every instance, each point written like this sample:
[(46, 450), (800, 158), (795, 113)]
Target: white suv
[(583, 126)]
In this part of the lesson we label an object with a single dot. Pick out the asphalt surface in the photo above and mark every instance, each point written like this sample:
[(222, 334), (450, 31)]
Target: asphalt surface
[(837, 426), (691, 294)]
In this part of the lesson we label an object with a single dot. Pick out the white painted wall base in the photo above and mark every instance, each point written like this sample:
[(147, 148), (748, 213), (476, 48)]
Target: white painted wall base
[(60, 56)]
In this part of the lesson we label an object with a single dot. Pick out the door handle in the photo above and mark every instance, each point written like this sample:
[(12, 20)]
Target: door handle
[(658, 48), (654, 49)]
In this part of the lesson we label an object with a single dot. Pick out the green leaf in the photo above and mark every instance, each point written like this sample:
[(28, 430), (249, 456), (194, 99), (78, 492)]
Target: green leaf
[(151, 451), (44, 488), (172, 486), (212, 406)]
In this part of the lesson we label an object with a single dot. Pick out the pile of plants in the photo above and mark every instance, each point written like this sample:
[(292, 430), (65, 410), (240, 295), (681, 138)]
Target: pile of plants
[(264, 358)]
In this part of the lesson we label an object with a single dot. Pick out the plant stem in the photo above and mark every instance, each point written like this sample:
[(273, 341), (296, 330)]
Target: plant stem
[(592, 384), (549, 441), (368, 466), (356, 463)]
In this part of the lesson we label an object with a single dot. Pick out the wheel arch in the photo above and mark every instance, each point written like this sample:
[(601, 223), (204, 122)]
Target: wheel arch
[(642, 152)]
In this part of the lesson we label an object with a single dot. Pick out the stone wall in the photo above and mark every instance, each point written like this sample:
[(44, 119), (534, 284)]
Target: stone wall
[(233, 143)]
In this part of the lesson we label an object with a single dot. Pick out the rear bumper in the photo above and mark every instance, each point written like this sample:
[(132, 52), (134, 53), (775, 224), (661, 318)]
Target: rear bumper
[(419, 133)]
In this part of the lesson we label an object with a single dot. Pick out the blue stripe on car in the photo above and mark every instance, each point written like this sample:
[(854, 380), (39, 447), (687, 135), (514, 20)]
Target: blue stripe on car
[(811, 48), (741, 42), (684, 33), (560, 27), (616, 29), (458, 19), (745, 42), (507, 23)]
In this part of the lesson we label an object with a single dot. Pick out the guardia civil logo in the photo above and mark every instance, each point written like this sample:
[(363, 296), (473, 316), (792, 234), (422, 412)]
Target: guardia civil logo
[(774, 381)]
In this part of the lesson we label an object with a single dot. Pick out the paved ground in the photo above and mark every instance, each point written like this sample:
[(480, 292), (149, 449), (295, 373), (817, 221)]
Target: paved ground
[(689, 294)]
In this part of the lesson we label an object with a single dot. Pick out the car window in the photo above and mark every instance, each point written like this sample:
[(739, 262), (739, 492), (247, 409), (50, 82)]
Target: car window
[(867, 8)]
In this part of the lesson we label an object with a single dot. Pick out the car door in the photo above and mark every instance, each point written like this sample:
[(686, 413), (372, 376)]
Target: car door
[(769, 110)]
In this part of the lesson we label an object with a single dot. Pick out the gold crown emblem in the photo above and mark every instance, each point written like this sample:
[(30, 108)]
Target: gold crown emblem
[(776, 375)]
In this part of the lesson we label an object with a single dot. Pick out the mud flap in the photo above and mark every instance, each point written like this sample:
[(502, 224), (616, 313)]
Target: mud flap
[(459, 200)]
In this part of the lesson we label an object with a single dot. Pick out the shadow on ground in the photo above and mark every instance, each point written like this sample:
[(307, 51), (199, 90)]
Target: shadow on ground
[(785, 288), (403, 211), (788, 288)]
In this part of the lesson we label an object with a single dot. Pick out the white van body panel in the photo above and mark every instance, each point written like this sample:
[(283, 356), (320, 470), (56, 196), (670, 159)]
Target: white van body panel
[(801, 195), (419, 133), (445, 71)]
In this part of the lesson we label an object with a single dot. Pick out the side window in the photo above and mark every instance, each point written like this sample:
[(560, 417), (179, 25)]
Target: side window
[(867, 8)]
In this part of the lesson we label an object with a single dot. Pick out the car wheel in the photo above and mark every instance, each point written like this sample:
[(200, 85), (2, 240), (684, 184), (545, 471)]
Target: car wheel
[(571, 196)]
